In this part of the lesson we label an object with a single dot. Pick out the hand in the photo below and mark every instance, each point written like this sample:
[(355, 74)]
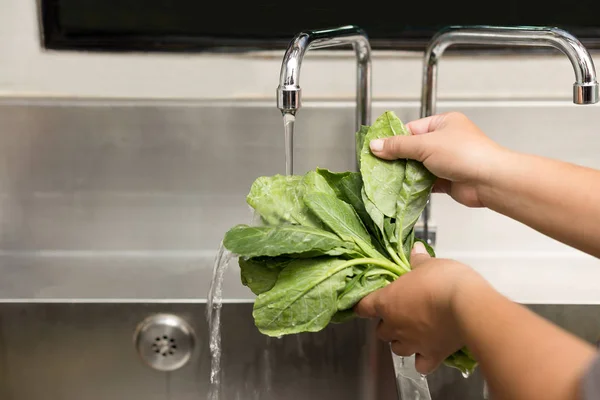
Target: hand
[(451, 147), (416, 311)]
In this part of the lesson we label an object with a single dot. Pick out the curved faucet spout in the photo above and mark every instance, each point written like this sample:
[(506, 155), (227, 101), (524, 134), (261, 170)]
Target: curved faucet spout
[(289, 92), (585, 88)]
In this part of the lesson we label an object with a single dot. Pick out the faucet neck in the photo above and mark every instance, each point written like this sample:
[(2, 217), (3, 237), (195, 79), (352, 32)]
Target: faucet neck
[(289, 93), (585, 88)]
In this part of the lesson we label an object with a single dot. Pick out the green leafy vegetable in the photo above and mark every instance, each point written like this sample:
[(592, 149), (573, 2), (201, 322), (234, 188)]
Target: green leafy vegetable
[(361, 287), (317, 182), (413, 197), (382, 178), (462, 360), (272, 241), (303, 299), (360, 140), (260, 275), (278, 200), (342, 219), (334, 179), (331, 238)]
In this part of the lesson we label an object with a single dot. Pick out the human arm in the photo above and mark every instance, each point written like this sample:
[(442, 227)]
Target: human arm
[(556, 198), (443, 305)]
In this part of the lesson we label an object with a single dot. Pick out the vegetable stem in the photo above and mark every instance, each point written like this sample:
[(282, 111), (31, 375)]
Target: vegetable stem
[(380, 273), (390, 266), (404, 265), (404, 261), (396, 259)]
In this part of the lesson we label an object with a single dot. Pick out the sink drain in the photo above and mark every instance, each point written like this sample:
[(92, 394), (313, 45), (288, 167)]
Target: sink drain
[(164, 342)]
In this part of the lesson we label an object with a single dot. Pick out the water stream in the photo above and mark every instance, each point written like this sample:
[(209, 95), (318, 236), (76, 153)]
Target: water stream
[(214, 302), (410, 384), (223, 258), (289, 120)]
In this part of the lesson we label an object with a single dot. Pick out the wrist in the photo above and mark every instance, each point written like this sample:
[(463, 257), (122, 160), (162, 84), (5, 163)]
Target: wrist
[(492, 175), (470, 289)]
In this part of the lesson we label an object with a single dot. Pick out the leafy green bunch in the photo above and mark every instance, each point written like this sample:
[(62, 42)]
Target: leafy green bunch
[(328, 239)]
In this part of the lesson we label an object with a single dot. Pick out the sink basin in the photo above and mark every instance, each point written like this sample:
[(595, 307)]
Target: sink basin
[(85, 350)]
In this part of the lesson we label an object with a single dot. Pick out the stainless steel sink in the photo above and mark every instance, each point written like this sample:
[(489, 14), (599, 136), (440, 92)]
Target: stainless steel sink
[(111, 212), (87, 351)]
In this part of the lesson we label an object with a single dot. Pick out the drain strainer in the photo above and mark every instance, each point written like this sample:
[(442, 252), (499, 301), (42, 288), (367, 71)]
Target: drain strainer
[(164, 342)]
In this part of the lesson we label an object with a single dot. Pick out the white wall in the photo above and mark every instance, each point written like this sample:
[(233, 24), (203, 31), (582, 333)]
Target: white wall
[(27, 70)]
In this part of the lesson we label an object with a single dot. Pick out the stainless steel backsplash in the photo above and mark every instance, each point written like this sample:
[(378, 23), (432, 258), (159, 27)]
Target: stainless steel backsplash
[(131, 199)]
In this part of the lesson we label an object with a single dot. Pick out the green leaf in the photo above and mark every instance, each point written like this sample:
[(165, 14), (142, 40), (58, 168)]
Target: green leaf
[(376, 215), (304, 298), (347, 187), (260, 275), (315, 182), (341, 218), (343, 316), (389, 228), (359, 289), (382, 178), (360, 140), (462, 360), (272, 241), (352, 192), (409, 243), (413, 197), (351, 188), (278, 200), (334, 179)]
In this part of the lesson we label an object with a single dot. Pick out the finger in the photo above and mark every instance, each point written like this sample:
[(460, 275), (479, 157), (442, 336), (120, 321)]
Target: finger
[(395, 147), (419, 255), (426, 365), (385, 332), (425, 125), (401, 349), (366, 307)]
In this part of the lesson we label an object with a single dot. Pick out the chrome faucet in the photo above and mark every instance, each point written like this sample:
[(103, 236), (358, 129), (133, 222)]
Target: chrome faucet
[(585, 88), (289, 93)]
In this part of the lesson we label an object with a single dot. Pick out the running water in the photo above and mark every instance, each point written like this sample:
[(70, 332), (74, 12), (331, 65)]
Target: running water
[(410, 384), (288, 124), (222, 260), (214, 302)]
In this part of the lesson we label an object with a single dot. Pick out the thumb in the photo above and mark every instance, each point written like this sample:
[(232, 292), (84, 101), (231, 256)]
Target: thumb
[(366, 308), (426, 365), (419, 255), (395, 147)]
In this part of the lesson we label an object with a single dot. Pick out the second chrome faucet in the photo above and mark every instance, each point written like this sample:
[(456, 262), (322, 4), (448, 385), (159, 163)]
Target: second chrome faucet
[(585, 88)]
